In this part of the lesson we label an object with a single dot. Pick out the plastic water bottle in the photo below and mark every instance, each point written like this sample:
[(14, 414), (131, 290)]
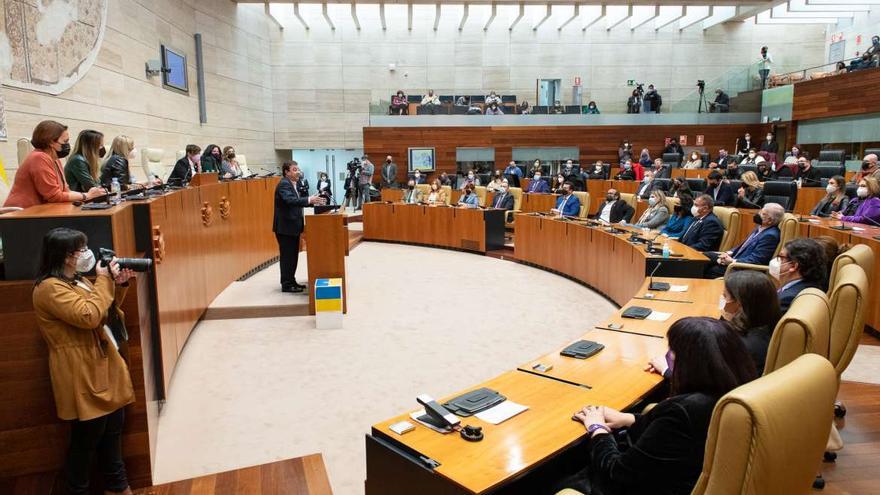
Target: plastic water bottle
[(114, 186), (665, 249)]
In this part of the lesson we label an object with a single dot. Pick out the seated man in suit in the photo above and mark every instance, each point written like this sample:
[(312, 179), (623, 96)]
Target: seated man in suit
[(724, 160), (614, 209), (757, 249), (720, 191), (705, 232), (800, 265), (646, 187), (807, 174), (538, 185), (412, 195), (660, 172), (503, 199), (419, 178), (567, 205), (187, 166)]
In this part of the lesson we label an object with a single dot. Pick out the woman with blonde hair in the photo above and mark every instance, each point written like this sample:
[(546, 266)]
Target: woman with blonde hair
[(436, 196), (657, 213), (751, 193), (229, 168), (116, 166), (81, 169)]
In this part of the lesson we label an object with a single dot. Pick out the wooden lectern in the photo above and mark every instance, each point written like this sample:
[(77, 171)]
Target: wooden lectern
[(326, 237), (204, 178)]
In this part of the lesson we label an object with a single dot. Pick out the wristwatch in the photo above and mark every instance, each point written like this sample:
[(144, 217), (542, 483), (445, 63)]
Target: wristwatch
[(593, 428)]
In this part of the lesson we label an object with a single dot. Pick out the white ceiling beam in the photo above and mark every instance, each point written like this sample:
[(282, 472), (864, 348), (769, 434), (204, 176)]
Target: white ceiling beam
[(409, 9), (464, 17), (546, 16), (726, 12), (577, 13), (744, 12), (327, 16), (492, 17), (597, 19), (296, 13), (766, 18), (782, 12), (682, 27), (437, 17), (837, 2), (684, 12), (806, 6), (382, 16), (649, 19), (269, 13), (629, 14), (522, 12)]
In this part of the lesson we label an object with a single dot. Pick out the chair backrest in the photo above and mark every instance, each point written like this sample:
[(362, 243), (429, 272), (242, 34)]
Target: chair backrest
[(730, 220), (671, 203), (425, 189), (782, 192), (584, 198), (747, 168), (242, 164), (517, 193), (789, 228), (848, 301), (829, 171), (803, 329), (705, 158), (858, 254), (630, 199), (663, 184), (4, 191), (871, 151), (768, 435), (481, 194), (151, 162), (836, 156), (735, 184), (673, 158), (448, 191), (696, 185), (24, 148)]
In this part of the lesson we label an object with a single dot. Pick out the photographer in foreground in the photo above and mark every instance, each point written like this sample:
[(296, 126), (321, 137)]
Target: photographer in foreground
[(90, 379)]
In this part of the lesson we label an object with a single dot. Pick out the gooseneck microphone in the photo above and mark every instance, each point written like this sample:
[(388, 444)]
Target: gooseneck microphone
[(657, 286)]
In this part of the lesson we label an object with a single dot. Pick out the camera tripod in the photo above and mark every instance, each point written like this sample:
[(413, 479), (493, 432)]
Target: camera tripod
[(701, 101)]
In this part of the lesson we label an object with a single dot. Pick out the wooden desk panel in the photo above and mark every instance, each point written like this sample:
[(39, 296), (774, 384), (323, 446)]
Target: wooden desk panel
[(534, 202), (698, 290), (659, 328), (390, 194), (508, 449), (326, 234)]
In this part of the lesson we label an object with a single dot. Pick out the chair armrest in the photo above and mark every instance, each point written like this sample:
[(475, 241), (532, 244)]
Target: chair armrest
[(508, 215), (9, 209), (746, 266)]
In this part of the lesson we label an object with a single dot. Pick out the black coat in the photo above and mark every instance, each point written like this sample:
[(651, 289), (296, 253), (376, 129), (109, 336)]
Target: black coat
[(619, 211), (116, 166), (725, 197), (181, 171), (288, 219), (704, 234), (786, 297), (506, 201)]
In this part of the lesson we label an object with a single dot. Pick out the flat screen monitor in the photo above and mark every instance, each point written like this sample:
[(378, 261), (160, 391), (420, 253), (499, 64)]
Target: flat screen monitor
[(174, 76), (421, 159)]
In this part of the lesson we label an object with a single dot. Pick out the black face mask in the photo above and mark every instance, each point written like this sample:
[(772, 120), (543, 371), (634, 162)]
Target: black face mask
[(757, 219), (866, 165), (609, 198), (387, 161), (802, 166), (102, 151), (231, 156), (64, 151)]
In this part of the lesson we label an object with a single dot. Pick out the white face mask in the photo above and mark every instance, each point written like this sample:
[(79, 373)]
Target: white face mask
[(85, 261), (695, 210), (769, 137), (862, 192), (652, 201), (775, 266), (831, 189), (722, 302), (752, 155)]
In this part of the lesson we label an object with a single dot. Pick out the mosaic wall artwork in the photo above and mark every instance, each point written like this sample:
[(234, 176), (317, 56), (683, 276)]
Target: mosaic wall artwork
[(48, 45)]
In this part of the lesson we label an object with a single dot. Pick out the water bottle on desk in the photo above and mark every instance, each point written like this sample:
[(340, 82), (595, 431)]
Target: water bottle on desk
[(115, 188), (666, 249)]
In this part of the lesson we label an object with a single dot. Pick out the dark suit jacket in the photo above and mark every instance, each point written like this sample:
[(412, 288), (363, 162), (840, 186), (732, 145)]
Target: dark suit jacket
[(752, 199), (726, 195), (704, 234), (505, 203), (644, 190), (760, 250), (541, 187), (787, 296), (288, 218), (618, 210), (663, 173), (181, 171)]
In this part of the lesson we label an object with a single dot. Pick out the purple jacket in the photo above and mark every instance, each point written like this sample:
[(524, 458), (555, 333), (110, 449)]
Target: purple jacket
[(867, 213)]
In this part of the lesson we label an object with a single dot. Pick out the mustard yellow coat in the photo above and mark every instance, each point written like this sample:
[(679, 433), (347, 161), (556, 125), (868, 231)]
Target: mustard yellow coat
[(89, 377)]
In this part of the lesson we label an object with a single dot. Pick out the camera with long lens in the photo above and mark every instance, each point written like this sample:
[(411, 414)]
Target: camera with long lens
[(701, 84), (640, 87), (105, 256), (353, 165)]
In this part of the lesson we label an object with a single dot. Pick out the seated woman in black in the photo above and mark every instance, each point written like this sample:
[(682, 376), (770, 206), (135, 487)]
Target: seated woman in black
[(707, 359), (751, 305)]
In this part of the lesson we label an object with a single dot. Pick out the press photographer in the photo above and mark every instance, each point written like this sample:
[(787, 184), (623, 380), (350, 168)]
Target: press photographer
[(353, 170)]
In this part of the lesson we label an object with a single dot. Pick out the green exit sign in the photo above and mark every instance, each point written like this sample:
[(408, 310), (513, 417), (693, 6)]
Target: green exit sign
[(630, 82)]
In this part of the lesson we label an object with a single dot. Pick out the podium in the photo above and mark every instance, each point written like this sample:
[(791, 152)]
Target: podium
[(326, 237), (204, 178)]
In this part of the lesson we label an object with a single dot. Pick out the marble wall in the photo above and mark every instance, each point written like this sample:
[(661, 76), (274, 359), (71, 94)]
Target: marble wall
[(324, 80), (116, 97)]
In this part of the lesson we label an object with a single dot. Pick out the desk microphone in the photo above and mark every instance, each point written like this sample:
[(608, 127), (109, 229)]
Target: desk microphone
[(657, 286)]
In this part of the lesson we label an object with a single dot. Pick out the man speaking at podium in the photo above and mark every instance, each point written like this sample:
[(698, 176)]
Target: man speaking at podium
[(288, 223)]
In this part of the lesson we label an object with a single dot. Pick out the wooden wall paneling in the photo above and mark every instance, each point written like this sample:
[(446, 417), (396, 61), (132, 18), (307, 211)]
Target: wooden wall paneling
[(327, 240), (123, 233), (853, 93)]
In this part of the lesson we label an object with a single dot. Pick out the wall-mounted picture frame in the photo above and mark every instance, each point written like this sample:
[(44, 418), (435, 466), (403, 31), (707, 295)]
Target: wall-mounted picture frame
[(174, 75)]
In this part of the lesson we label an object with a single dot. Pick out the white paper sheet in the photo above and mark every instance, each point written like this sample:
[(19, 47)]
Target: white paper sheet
[(658, 316), (678, 288), (502, 412)]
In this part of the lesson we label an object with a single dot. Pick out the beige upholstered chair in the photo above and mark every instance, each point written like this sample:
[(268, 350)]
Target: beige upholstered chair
[(767, 436), (803, 329), (242, 164), (481, 194), (151, 163), (848, 301), (788, 230), (584, 198), (858, 254), (425, 189), (730, 219), (448, 191), (517, 194), (24, 148), (630, 199)]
